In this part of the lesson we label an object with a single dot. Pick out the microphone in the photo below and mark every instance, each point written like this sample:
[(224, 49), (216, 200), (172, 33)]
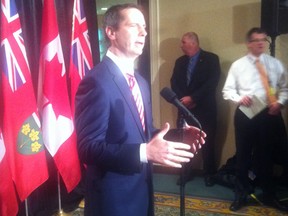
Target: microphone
[(171, 97)]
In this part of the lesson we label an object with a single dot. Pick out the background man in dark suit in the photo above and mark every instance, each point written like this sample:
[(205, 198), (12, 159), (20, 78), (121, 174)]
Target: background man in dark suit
[(194, 80), (116, 143)]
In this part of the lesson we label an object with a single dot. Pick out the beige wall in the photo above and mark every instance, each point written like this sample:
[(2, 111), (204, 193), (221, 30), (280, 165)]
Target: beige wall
[(221, 26)]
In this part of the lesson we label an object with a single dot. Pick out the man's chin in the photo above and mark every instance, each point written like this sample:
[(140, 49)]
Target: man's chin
[(138, 52)]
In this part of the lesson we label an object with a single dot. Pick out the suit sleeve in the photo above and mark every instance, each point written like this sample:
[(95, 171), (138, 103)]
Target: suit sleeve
[(100, 141)]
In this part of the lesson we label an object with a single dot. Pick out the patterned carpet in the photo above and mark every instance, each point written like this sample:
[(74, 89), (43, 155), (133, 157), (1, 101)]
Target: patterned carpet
[(199, 200), (169, 205)]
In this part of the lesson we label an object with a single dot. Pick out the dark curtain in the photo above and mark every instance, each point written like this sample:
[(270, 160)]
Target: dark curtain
[(44, 200), (30, 12)]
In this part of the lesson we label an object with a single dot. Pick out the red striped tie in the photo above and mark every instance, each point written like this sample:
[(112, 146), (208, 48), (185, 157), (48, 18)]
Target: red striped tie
[(137, 98)]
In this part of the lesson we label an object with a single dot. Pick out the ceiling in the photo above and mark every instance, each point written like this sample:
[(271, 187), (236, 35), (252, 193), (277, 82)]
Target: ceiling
[(107, 3)]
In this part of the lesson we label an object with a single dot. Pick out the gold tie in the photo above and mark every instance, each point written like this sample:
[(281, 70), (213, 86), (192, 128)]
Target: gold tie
[(264, 78)]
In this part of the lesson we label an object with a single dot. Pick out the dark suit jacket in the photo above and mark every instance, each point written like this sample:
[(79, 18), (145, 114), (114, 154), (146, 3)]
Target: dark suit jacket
[(109, 134), (203, 83)]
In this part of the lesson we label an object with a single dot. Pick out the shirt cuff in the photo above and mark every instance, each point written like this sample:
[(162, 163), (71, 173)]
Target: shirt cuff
[(143, 155)]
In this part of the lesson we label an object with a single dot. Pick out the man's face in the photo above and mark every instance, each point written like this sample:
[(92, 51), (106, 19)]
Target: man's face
[(189, 46), (257, 44), (129, 39)]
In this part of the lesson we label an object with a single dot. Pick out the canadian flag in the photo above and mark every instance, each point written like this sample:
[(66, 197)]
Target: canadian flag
[(57, 122)]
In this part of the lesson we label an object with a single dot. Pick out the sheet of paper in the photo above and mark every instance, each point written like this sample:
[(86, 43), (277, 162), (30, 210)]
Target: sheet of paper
[(257, 106)]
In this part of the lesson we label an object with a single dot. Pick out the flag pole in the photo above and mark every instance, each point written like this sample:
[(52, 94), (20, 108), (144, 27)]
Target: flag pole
[(26, 208), (59, 194), (61, 213)]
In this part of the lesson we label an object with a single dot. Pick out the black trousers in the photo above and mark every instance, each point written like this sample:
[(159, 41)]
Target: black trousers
[(209, 125), (257, 141)]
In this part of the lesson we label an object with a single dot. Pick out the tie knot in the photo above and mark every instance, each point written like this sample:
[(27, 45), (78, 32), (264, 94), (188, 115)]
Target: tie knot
[(257, 60), (130, 76), (131, 80)]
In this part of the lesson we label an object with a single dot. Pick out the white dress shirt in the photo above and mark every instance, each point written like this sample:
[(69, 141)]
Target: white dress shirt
[(127, 66), (244, 79)]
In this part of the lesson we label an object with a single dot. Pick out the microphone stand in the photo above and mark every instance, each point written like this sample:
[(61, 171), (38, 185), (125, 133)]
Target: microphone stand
[(180, 125), (171, 97)]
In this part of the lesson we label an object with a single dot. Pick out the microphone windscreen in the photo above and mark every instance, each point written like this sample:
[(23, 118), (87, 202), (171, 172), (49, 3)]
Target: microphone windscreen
[(168, 94)]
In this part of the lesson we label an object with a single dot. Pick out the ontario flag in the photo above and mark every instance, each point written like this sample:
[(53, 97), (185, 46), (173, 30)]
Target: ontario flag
[(20, 119), (81, 57), (57, 122), (8, 199)]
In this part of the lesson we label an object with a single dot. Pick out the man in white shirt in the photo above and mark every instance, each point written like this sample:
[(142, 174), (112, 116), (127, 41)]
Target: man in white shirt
[(256, 138)]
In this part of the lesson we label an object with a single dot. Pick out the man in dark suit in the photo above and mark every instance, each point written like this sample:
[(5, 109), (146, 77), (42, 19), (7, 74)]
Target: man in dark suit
[(194, 80), (116, 140)]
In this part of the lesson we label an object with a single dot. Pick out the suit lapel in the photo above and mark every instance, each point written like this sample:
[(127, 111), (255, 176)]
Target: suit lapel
[(123, 87)]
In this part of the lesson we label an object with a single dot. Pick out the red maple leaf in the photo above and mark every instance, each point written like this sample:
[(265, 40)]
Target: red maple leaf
[(55, 87)]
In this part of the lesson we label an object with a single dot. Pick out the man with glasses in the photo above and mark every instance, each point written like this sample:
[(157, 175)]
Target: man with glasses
[(257, 77)]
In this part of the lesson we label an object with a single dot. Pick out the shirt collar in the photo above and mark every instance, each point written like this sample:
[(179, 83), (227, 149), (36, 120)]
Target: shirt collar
[(125, 65), (253, 58), (196, 56)]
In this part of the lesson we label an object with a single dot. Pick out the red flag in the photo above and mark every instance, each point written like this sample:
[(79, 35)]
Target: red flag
[(57, 123), (8, 199), (21, 125), (81, 57)]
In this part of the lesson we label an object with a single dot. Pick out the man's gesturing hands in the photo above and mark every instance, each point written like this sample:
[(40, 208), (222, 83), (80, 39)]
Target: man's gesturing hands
[(171, 153)]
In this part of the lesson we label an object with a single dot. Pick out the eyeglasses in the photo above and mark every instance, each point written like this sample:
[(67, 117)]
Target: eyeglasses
[(259, 40)]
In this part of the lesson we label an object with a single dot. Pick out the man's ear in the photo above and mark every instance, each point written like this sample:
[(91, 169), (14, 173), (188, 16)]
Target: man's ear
[(110, 32)]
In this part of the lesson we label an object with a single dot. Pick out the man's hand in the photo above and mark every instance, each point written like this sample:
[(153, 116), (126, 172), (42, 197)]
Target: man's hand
[(194, 137), (275, 108), (188, 102), (246, 101), (171, 153)]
